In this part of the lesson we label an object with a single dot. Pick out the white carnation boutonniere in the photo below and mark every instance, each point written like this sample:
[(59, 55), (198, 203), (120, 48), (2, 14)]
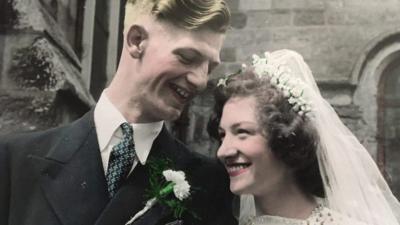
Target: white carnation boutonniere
[(177, 183), (170, 190)]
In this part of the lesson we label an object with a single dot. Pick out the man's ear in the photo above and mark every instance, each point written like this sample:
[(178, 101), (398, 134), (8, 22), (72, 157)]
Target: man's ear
[(135, 38)]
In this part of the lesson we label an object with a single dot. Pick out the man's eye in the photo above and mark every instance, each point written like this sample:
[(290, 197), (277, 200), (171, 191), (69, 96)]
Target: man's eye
[(185, 59)]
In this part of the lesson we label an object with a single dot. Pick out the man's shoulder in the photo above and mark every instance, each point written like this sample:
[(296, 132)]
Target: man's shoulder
[(194, 163), (40, 141), (202, 167), (28, 140), (29, 136), (172, 147), (210, 196), (196, 158), (47, 135)]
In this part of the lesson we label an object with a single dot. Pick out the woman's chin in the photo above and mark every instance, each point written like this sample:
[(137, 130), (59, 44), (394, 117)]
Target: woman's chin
[(238, 189)]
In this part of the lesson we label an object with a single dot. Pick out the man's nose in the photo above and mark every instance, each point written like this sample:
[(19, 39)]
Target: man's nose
[(198, 76)]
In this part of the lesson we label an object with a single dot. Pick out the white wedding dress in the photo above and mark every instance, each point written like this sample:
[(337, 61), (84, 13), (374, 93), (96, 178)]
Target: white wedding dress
[(319, 216)]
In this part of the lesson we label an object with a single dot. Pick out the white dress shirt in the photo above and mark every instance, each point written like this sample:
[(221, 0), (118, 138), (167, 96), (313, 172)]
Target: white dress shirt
[(108, 119)]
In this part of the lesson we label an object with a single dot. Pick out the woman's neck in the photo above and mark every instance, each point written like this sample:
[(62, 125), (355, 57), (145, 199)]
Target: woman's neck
[(288, 201)]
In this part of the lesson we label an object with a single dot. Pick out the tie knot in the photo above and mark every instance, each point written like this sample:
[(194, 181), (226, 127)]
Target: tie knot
[(127, 129)]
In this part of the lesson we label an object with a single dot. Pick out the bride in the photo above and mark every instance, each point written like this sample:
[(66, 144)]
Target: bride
[(289, 157)]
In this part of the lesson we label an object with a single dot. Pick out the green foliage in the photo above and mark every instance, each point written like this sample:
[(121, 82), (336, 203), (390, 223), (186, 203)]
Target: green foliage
[(158, 183)]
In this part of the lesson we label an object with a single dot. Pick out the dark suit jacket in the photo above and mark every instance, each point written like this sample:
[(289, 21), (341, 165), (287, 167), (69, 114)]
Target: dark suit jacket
[(56, 177)]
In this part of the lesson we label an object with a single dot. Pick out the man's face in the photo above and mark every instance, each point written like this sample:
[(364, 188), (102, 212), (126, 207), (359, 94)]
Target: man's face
[(174, 67)]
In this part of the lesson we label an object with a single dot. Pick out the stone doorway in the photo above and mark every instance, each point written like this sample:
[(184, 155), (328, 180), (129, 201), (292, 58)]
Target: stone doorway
[(389, 124)]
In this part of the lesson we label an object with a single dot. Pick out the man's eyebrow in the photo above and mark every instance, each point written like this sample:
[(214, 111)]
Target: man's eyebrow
[(189, 50), (213, 62)]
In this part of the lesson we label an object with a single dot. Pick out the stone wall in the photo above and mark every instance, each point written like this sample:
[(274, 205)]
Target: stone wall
[(332, 36), (40, 83)]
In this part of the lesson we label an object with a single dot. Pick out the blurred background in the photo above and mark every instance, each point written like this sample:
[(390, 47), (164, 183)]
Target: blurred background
[(56, 56)]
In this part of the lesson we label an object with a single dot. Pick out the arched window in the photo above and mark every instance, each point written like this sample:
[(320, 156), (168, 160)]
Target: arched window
[(389, 124), (377, 76)]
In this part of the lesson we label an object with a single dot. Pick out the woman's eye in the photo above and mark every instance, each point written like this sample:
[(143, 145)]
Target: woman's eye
[(242, 131), (242, 136)]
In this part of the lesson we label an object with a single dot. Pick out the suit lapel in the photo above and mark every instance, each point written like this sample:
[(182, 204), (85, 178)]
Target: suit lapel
[(128, 200), (164, 147), (72, 178), (131, 197)]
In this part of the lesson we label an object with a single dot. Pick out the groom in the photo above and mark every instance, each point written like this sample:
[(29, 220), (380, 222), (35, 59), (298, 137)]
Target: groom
[(95, 170)]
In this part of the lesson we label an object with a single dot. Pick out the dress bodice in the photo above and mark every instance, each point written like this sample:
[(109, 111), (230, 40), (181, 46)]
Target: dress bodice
[(320, 216)]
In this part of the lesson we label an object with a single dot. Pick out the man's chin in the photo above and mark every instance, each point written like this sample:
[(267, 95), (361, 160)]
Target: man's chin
[(172, 114), (173, 117)]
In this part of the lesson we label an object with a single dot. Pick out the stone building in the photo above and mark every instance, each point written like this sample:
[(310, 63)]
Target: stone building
[(57, 56)]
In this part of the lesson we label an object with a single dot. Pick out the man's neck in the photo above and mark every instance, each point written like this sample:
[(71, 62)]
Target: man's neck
[(125, 106)]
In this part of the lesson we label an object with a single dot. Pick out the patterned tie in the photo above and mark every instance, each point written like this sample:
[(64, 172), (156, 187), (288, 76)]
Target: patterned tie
[(121, 160)]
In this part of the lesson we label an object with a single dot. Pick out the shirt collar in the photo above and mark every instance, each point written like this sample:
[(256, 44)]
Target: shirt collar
[(108, 120), (144, 136)]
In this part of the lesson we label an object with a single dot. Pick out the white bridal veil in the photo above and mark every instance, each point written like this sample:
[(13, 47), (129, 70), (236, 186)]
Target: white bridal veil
[(353, 183)]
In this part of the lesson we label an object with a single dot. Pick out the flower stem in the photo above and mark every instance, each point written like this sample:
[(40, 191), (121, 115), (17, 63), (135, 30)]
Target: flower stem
[(168, 189), (148, 205)]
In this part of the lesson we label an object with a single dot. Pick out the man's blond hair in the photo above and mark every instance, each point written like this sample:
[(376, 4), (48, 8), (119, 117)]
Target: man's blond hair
[(186, 14)]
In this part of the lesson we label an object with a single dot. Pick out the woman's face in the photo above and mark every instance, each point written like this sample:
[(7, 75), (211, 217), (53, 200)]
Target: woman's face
[(251, 165)]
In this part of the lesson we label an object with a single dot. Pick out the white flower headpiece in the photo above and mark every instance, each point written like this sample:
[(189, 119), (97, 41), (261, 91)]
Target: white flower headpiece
[(282, 78)]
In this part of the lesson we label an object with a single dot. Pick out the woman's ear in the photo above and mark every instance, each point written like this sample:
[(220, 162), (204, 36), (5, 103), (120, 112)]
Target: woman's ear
[(135, 38)]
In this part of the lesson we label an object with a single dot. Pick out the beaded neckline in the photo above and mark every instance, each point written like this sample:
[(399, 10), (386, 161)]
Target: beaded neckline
[(316, 215)]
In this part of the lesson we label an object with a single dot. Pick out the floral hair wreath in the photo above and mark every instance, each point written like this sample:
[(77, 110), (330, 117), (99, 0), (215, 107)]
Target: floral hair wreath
[(282, 78)]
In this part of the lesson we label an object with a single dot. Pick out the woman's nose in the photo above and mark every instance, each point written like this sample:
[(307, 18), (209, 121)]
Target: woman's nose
[(226, 149)]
